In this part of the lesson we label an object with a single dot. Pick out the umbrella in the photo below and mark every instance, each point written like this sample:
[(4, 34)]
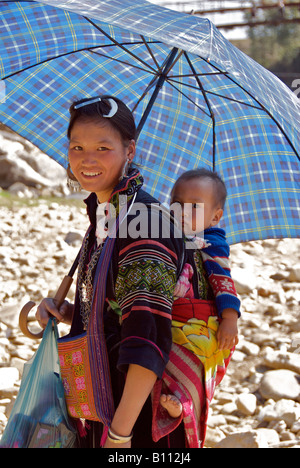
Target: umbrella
[(198, 101)]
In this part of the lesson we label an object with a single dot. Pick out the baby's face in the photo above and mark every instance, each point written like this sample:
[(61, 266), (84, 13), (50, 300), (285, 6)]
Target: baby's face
[(196, 203)]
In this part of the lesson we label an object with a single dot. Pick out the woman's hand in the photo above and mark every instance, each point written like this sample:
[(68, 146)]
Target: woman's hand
[(48, 308)]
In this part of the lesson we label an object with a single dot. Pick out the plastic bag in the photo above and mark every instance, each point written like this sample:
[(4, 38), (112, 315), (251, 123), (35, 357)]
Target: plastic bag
[(39, 417)]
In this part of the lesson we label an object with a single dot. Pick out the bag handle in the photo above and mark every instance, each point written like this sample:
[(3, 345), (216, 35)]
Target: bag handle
[(59, 298)]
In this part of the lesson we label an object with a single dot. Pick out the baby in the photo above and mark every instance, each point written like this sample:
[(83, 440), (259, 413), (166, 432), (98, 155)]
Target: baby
[(200, 195)]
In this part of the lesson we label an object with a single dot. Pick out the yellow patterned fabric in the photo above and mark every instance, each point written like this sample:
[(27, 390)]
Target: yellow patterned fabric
[(199, 337)]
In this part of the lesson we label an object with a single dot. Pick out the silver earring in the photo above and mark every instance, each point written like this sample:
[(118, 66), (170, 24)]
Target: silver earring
[(72, 182), (125, 169)]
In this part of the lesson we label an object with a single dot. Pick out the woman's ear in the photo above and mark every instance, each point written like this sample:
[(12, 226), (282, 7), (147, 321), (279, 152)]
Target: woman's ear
[(131, 150)]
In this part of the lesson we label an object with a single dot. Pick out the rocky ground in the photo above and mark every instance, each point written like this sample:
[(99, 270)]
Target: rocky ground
[(258, 402)]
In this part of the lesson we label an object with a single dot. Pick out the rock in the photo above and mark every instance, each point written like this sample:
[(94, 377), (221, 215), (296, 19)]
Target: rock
[(249, 439), (215, 421), (8, 377), (22, 162), (21, 190), (224, 397), (287, 411), (280, 360), (294, 275), (251, 349), (296, 427), (228, 408), (4, 356), (3, 421), (245, 281), (238, 356), (270, 436), (278, 384), (74, 238), (10, 314), (246, 403), (213, 436), (9, 392), (22, 352), (18, 363), (14, 170)]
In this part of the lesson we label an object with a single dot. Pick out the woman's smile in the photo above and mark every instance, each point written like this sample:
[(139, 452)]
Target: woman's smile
[(91, 174)]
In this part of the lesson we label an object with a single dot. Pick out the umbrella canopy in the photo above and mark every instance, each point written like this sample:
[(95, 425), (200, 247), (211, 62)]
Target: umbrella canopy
[(198, 101)]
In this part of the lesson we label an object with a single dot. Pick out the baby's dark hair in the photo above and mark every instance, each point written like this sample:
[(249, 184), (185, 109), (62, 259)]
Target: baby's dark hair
[(202, 173), (99, 107)]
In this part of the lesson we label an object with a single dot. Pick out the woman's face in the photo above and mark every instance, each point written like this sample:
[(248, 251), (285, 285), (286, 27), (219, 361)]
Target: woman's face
[(97, 156)]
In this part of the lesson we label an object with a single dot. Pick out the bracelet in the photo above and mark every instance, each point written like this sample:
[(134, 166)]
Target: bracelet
[(117, 439)]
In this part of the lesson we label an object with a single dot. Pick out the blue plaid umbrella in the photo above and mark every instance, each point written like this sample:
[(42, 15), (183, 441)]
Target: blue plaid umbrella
[(198, 100)]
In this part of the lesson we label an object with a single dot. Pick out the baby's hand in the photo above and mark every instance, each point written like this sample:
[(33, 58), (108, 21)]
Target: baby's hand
[(227, 335)]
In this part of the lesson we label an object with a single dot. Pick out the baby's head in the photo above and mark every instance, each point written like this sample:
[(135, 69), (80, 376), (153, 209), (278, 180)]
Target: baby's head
[(201, 195)]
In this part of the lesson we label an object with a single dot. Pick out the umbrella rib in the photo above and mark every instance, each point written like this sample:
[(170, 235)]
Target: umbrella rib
[(188, 98), (159, 72), (234, 100), (198, 74), (216, 94), (160, 81), (150, 52), (262, 107), (88, 49), (150, 85), (121, 46), (208, 105), (122, 61)]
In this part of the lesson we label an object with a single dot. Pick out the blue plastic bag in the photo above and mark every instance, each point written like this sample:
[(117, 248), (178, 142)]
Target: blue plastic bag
[(39, 417)]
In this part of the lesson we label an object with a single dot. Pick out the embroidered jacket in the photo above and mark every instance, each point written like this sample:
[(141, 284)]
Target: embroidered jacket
[(141, 281)]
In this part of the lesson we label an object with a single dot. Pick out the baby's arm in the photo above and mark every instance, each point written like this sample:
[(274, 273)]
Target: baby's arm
[(227, 334), (217, 266), (216, 261)]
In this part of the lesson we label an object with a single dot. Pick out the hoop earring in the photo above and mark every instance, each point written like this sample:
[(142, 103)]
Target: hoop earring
[(125, 169), (72, 182)]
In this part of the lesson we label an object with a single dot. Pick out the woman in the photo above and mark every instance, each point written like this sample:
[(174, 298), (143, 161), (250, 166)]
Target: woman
[(140, 277)]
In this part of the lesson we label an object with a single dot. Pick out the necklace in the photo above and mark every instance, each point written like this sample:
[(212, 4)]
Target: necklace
[(85, 279)]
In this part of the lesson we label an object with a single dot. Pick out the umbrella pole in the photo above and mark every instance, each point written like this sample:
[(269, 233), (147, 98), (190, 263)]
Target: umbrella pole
[(161, 80), (58, 299)]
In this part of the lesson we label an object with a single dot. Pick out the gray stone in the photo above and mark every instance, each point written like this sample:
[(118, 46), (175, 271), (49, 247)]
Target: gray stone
[(249, 439), (278, 384), (246, 403)]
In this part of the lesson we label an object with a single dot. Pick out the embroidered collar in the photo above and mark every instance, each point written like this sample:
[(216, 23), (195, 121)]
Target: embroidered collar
[(128, 186)]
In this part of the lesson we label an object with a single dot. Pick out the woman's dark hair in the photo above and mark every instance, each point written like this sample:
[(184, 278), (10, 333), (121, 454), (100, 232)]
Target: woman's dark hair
[(122, 120), (202, 173)]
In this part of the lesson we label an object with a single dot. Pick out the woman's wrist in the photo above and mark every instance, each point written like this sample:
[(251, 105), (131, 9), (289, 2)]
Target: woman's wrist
[(118, 439)]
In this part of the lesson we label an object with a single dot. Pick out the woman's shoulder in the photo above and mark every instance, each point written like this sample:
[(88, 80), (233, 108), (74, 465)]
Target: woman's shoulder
[(150, 226), (143, 196), (152, 218)]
